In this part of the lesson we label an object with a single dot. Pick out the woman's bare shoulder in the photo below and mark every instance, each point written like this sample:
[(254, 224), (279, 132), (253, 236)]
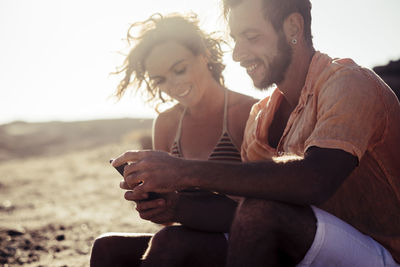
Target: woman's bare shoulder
[(239, 110), (170, 115), (165, 126), (242, 103)]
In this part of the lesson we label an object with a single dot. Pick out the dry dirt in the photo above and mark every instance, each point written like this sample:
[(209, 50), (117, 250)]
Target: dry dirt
[(55, 202)]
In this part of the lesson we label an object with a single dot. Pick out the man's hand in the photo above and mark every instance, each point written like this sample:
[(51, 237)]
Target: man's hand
[(151, 171)]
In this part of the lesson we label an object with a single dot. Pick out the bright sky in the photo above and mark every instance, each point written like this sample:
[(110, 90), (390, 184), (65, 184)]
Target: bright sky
[(56, 55)]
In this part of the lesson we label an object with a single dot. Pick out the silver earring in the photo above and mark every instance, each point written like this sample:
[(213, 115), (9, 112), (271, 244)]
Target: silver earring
[(294, 41)]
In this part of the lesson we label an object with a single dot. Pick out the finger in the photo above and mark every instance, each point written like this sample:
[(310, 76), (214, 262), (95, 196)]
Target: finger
[(133, 180), (129, 156), (140, 191), (131, 169), (124, 185), (133, 196), (150, 204), (151, 214)]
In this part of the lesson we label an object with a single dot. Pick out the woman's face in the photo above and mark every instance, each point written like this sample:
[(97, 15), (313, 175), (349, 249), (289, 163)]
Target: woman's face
[(176, 71)]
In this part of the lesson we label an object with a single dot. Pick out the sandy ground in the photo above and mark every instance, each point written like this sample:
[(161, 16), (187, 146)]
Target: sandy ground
[(52, 207)]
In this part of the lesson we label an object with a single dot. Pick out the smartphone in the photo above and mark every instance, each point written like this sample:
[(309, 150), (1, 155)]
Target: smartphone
[(120, 169)]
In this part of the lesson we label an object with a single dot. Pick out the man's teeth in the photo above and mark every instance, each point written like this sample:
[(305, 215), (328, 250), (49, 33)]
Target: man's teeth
[(251, 68), (184, 93)]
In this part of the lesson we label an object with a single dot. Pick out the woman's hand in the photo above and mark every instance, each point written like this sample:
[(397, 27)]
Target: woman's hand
[(161, 210)]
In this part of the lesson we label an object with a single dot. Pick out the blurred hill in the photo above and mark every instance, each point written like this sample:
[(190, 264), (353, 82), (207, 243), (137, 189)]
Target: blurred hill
[(22, 139), (390, 73)]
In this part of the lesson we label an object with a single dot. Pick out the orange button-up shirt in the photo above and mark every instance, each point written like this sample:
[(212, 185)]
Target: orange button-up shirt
[(343, 106)]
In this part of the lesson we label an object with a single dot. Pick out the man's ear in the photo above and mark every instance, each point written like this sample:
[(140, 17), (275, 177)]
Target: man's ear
[(293, 27)]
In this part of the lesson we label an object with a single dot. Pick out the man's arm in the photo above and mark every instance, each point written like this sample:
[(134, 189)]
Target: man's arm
[(310, 180)]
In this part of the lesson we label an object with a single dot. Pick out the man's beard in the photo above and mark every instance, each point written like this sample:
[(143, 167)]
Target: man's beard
[(279, 65)]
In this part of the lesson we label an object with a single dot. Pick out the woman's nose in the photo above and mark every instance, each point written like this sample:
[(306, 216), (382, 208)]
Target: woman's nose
[(168, 86)]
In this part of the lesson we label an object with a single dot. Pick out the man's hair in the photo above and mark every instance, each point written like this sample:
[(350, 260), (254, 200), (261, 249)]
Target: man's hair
[(276, 11)]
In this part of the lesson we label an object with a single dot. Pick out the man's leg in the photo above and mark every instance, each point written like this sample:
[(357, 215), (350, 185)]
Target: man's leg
[(267, 233), (180, 246), (119, 249), (339, 244)]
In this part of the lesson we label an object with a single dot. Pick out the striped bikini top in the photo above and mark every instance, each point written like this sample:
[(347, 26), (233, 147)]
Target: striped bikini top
[(224, 150)]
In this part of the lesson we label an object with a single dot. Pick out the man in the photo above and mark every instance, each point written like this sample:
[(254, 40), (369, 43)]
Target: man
[(335, 200)]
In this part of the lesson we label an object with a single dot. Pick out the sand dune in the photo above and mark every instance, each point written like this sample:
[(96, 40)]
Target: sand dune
[(59, 193), (21, 139)]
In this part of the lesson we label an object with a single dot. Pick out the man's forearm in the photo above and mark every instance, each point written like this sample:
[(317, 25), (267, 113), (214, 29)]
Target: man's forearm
[(302, 181), (264, 180)]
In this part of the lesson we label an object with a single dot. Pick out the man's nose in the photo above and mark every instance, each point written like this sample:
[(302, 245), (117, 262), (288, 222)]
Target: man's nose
[(239, 52)]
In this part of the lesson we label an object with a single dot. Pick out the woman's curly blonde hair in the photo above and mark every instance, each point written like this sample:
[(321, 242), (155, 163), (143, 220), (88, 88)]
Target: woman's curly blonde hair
[(157, 29)]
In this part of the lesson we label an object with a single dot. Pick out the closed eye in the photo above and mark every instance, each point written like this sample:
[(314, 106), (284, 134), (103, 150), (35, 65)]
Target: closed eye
[(252, 38), (251, 35), (180, 71)]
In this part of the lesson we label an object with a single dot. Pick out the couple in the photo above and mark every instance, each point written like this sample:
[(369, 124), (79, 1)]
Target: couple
[(319, 181)]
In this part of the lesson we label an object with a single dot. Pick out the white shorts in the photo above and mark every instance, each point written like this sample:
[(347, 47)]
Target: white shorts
[(337, 243)]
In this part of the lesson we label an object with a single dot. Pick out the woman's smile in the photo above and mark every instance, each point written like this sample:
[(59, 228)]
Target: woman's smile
[(185, 92)]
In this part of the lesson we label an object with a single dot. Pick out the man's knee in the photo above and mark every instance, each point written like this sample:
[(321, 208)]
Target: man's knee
[(101, 244), (269, 224), (167, 245), (100, 248), (256, 213), (118, 249), (170, 236), (264, 215)]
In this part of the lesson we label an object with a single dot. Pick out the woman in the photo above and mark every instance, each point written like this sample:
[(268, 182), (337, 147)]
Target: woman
[(177, 61)]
